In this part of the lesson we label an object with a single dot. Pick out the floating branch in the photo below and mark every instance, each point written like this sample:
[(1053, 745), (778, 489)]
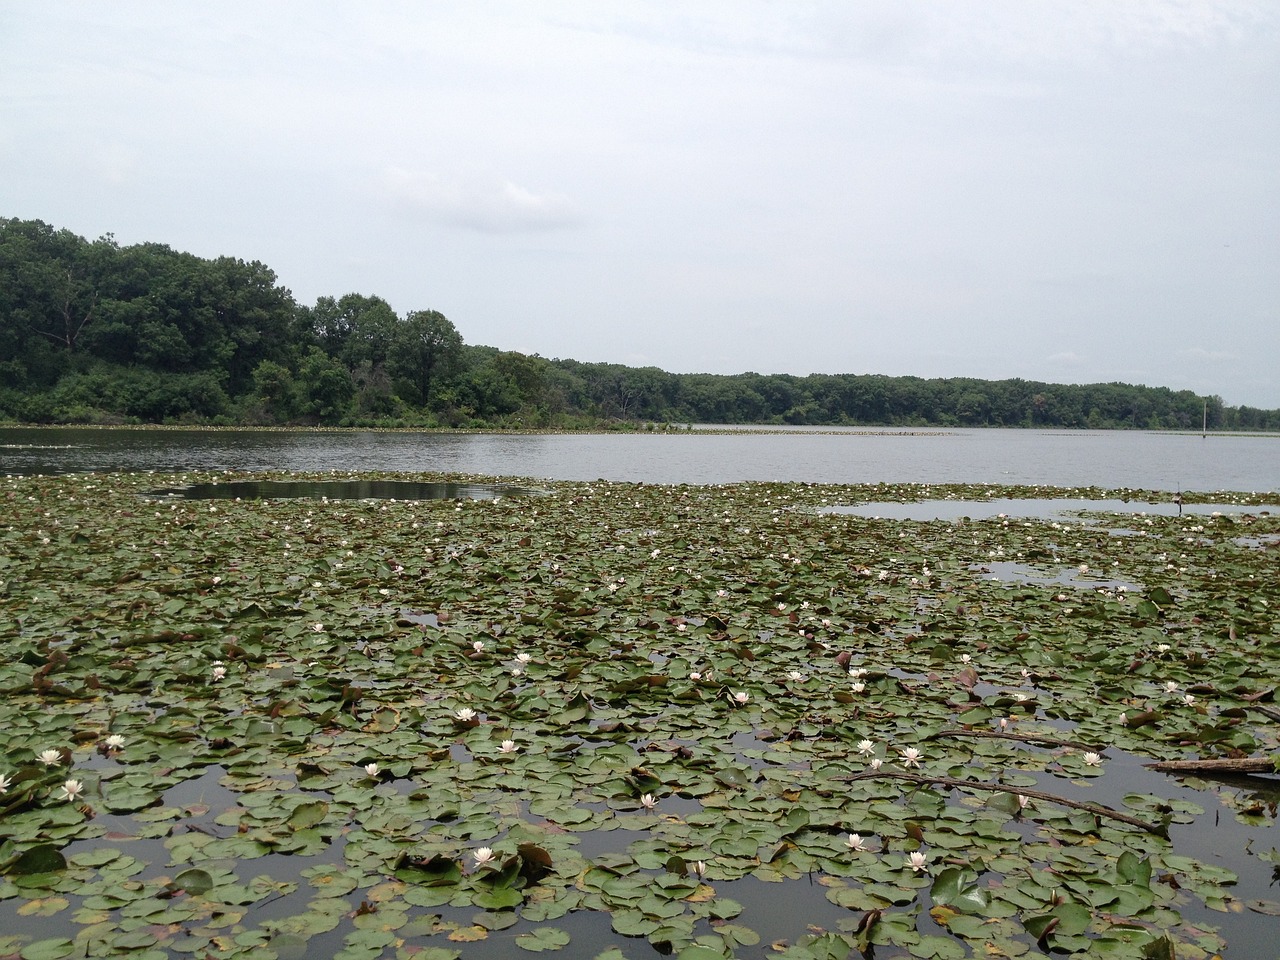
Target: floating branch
[(1024, 737), (1265, 711), (1219, 765), (1159, 829)]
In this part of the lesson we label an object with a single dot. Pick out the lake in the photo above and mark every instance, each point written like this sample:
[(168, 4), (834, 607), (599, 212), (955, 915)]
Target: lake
[(249, 780), (1134, 459)]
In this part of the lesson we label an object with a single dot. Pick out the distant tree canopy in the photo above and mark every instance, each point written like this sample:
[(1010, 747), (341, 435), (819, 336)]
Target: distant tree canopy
[(92, 332)]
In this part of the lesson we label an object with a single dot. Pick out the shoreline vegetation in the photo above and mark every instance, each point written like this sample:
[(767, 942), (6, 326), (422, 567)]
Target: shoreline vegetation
[(392, 728), (93, 333), (664, 429)]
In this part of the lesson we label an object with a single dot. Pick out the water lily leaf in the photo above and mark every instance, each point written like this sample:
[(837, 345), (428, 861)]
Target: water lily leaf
[(51, 949), (499, 898), (696, 951), (45, 907), (471, 934), (437, 871), (1073, 919), (308, 814), (943, 948), (288, 946), (44, 858), (542, 939), (1040, 927), (1132, 869)]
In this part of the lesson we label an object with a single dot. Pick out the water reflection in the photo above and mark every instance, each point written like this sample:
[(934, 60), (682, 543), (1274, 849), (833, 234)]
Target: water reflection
[(1138, 460), (1024, 509)]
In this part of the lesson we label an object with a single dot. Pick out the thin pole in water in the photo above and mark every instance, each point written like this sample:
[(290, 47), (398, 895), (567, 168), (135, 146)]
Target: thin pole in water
[(1204, 424)]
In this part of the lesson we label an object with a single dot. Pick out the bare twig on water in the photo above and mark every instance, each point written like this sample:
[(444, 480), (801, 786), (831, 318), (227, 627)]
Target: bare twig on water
[(1023, 737), (1265, 711), (1217, 765), (1159, 829)]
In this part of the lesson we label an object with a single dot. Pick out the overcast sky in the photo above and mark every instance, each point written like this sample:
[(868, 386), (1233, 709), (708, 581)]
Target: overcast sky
[(1064, 191)]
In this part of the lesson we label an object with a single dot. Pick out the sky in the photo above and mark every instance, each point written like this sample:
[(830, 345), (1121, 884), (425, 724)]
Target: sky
[(1073, 191)]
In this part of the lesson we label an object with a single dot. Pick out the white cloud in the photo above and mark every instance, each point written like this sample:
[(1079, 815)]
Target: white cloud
[(1213, 356), (489, 206)]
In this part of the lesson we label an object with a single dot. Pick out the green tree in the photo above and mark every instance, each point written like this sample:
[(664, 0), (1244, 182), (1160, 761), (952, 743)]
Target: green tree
[(428, 348), (325, 388)]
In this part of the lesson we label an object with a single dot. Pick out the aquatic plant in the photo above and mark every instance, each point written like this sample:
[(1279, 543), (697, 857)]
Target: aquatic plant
[(373, 728)]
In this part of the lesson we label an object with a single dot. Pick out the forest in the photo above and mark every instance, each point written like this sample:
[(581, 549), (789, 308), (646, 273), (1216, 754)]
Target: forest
[(95, 332)]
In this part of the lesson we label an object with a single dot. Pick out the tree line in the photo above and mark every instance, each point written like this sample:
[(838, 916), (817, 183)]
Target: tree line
[(96, 332)]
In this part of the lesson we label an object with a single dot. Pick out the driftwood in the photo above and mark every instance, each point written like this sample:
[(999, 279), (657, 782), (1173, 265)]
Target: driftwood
[(1159, 829), (1219, 765), (1023, 737)]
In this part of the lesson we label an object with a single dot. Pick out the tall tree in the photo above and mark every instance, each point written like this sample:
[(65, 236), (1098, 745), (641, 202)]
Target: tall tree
[(427, 349)]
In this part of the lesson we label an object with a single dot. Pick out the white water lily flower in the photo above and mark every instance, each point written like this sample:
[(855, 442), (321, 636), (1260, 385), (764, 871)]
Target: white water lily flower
[(218, 673), (1170, 686), (858, 686), (114, 742), (795, 675), (318, 627), (695, 676), (1189, 700), (698, 868), (50, 757), (478, 646), (875, 763), (917, 862), (482, 856), (855, 843), (965, 658), (1163, 648), (4, 784), (508, 746), (71, 789), (911, 757), (524, 657), (464, 714), (371, 769), (1092, 759), (648, 801), (866, 747), (741, 698), (1023, 801)]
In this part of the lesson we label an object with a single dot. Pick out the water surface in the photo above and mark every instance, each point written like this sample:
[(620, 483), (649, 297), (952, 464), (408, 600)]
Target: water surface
[(1114, 459)]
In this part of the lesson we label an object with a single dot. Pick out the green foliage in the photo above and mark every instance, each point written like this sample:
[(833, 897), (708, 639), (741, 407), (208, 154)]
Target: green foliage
[(92, 331), (263, 701)]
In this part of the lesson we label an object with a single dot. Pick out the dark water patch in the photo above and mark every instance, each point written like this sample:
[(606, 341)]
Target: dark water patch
[(343, 490)]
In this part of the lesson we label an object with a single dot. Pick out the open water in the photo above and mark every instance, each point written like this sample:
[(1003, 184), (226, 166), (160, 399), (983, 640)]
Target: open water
[(1060, 458)]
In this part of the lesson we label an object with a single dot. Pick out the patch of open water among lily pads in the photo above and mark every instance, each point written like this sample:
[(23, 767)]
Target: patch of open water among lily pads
[(1040, 508), (422, 728), (342, 490)]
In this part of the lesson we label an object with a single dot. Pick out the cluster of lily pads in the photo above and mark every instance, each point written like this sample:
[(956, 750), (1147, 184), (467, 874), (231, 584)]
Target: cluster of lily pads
[(614, 719)]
